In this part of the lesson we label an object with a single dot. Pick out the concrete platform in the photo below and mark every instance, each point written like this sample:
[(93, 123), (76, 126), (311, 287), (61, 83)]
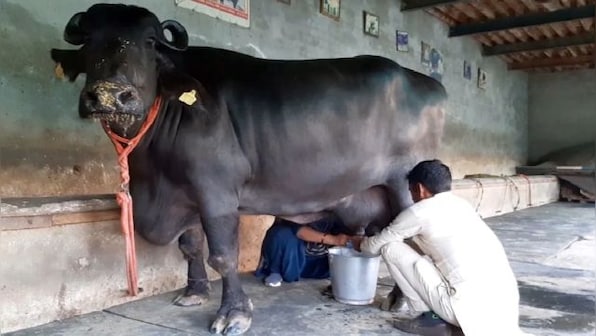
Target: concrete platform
[(75, 244), (551, 249)]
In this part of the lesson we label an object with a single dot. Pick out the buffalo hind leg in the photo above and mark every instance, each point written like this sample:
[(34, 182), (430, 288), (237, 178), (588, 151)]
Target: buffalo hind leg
[(197, 289), (234, 316)]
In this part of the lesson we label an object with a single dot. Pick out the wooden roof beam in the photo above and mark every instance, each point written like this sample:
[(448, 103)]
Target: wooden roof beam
[(560, 42), (410, 5), (552, 62), (527, 20)]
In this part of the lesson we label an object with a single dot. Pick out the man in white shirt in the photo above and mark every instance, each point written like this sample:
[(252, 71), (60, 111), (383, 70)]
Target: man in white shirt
[(463, 276)]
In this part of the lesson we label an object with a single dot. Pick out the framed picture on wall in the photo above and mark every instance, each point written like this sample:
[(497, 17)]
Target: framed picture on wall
[(237, 11), (467, 70), (401, 40), (482, 79), (371, 24), (436, 68), (424, 53), (330, 8)]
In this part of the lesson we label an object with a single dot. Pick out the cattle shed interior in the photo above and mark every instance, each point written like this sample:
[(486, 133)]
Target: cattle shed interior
[(520, 133)]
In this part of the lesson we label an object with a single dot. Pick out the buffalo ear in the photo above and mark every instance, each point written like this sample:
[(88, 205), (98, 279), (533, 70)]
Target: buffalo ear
[(178, 85), (70, 61), (179, 35), (73, 33)]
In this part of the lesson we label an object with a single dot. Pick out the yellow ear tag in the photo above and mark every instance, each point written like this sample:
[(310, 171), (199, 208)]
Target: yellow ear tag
[(188, 98), (58, 71)]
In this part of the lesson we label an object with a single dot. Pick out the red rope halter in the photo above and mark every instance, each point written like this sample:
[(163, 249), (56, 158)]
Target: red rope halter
[(123, 148)]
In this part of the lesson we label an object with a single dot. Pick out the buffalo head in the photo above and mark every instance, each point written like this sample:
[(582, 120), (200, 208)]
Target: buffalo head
[(122, 56)]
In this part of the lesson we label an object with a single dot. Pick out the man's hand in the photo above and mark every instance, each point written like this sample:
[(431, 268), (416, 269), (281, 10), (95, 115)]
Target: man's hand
[(341, 240), (356, 241)]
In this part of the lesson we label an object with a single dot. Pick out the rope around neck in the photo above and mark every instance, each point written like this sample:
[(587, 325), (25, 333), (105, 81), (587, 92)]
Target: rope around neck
[(123, 148)]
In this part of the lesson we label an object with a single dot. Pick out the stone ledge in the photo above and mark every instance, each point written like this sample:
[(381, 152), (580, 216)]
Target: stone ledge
[(41, 212), (36, 206), (490, 196)]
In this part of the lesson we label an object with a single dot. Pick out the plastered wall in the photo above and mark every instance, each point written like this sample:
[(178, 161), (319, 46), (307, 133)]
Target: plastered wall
[(45, 149), (562, 111)]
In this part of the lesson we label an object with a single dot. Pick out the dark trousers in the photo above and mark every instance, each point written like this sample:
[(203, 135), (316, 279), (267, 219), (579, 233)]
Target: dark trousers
[(284, 253)]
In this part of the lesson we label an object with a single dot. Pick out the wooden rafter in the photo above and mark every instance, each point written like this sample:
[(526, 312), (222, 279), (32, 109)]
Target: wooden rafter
[(441, 15), (552, 62), (409, 5), (467, 10), (533, 35), (561, 42), (517, 7), (533, 19)]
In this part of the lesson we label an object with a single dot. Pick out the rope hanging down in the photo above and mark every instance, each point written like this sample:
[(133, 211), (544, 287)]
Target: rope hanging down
[(123, 148)]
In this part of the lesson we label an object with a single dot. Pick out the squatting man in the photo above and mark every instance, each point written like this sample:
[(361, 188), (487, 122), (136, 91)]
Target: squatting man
[(461, 278)]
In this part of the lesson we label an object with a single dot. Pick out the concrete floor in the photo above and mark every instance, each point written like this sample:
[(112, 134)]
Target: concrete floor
[(551, 249)]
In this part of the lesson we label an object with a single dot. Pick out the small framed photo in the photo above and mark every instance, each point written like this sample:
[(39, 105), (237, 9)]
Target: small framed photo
[(467, 70), (424, 53), (371, 24), (401, 40), (330, 8), (482, 79)]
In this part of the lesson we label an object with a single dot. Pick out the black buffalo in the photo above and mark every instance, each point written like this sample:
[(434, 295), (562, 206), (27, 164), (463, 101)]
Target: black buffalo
[(299, 139)]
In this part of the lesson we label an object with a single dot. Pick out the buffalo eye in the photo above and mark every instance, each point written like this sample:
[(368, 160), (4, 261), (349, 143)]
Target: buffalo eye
[(150, 41)]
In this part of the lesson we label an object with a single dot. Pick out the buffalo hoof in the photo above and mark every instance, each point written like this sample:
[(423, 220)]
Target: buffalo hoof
[(193, 296), (394, 300), (185, 300), (235, 321)]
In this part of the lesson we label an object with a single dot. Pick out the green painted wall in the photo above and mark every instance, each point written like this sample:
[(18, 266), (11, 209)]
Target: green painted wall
[(45, 149)]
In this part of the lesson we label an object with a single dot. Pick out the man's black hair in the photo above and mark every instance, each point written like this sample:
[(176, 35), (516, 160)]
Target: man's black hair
[(433, 174)]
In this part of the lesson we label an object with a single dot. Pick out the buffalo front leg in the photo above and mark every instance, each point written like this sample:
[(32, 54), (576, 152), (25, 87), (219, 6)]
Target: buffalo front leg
[(235, 314), (197, 289)]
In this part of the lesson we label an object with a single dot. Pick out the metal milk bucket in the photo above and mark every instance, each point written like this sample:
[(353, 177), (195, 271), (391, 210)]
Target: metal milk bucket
[(353, 275)]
